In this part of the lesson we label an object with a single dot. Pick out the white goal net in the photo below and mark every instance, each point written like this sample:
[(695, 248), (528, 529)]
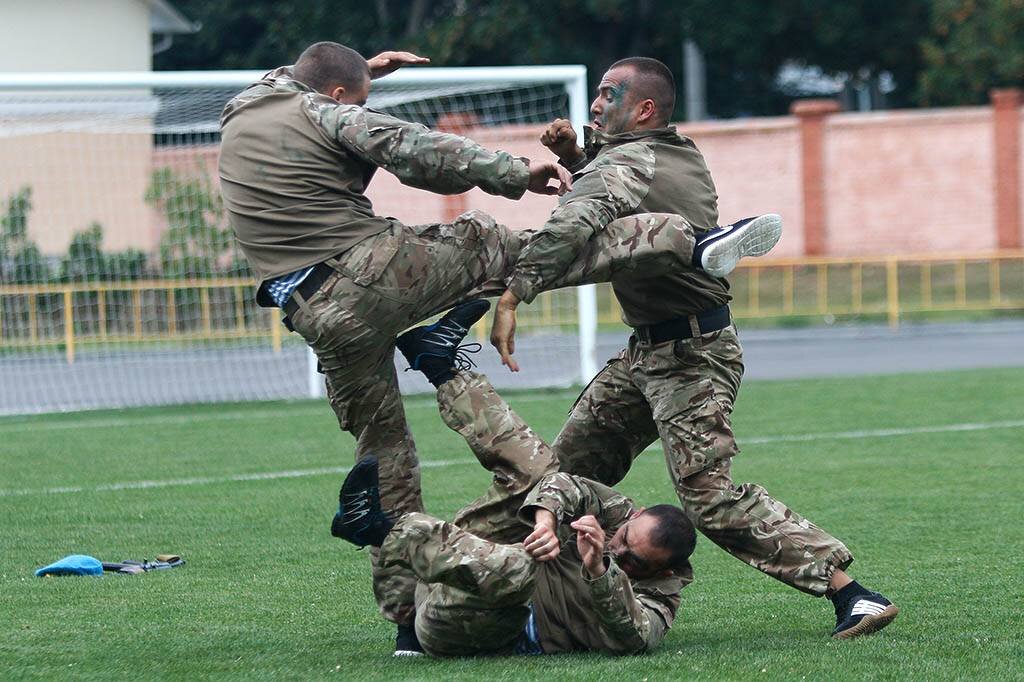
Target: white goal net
[(120, 282)]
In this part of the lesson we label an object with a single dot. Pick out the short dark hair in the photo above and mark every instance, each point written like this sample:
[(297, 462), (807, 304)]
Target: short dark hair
[(654, 81), (324, 66), (673, 532)]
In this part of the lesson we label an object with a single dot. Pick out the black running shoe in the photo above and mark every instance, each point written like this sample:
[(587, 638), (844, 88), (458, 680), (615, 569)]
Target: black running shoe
[(862, 614), (407, 643), (434, 349), (719, 250), (360, 519)]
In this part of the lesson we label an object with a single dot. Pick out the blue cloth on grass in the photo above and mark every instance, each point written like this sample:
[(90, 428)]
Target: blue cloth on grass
[(73, 564)]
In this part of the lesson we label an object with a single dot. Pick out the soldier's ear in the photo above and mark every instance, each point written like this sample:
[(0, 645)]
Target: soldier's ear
[(648, 110), (337, 93)]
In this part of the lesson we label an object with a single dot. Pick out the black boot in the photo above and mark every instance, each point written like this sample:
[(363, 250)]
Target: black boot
[(434, 349), (861, 612), (407, 643), (360, 519)]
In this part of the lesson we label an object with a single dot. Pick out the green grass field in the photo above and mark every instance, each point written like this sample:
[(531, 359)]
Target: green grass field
[(920, 475)]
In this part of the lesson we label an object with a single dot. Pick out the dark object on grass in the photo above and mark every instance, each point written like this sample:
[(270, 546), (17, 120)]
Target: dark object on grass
[(162, 561)]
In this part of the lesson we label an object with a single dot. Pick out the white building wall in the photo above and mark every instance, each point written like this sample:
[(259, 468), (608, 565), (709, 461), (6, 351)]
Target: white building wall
[(75, 35)]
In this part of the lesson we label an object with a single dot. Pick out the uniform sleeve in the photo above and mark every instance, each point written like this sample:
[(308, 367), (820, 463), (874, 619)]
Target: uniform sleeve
[(611, 187), (418, 156), (570, 497), (633, 622)]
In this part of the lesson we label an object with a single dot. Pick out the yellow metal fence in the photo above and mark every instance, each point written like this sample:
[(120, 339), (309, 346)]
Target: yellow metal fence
[(154, 311)]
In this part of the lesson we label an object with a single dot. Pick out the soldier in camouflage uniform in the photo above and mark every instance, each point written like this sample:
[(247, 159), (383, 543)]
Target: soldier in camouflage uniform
[(678, 378), (298, 149), (484, 589)]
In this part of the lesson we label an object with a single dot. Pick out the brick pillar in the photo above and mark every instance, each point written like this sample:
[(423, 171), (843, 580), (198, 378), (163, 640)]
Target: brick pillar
[(812, 114), (459, 123), (1006, 104)]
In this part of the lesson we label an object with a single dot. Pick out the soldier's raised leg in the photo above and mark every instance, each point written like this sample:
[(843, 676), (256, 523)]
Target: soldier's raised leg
[(476, 578), (362, 387), (440, 265)]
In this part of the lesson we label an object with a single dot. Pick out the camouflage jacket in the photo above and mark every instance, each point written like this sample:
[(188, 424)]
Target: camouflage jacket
[(295, 164), (643, 171), (610, 613)]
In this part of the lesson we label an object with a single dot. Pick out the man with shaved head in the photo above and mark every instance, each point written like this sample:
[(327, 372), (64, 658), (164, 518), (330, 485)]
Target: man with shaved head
[(298, 150), (679, 376)]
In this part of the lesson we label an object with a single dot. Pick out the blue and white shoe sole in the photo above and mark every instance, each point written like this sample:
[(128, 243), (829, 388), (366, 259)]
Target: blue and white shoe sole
[(869, 624), (756, 238)]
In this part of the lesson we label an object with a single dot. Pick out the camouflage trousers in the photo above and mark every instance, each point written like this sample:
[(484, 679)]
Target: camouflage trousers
[(396, 279), (475, 577), (683, 392)]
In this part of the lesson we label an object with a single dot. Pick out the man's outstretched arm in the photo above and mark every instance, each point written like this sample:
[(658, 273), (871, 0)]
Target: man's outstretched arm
[(426, 159), (611, 188)]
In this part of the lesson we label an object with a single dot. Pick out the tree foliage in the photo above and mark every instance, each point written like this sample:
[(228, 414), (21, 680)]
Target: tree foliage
[(745, 41), (20, 258), (975, 45), (197, 242), (86, 260)]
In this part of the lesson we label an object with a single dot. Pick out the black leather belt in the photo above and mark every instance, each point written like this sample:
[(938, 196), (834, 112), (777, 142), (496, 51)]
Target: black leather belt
[(308, 287), (681, 328)]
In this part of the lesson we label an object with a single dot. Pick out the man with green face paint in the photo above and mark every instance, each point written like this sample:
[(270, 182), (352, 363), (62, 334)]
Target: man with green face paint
[(679, 376)]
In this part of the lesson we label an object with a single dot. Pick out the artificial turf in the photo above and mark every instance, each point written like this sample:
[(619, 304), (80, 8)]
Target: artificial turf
[(921, 476)]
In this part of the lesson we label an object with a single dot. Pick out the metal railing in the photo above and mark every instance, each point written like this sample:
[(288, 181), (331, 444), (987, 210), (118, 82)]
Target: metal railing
[(184, 311)]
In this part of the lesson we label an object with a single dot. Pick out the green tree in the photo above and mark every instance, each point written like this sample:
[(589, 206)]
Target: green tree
[(744, 41), (195, 243), (975, 45), (86, 261), (21, 262)]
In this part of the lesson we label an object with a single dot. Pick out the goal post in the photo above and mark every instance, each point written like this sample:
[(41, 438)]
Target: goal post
[(120, 284)]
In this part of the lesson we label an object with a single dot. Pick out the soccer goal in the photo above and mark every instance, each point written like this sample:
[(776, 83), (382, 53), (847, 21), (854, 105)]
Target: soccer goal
[(120, 282)]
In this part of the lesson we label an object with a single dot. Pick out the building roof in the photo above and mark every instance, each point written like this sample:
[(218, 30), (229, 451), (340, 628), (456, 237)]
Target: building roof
[(164, 18)]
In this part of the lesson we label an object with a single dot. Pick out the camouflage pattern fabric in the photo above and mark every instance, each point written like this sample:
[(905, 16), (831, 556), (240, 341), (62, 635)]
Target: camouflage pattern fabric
[(474, 594), (504, 445), (683, 392), (610, 613), (416, 155), (476, 580), (404, 275), (648, 171)]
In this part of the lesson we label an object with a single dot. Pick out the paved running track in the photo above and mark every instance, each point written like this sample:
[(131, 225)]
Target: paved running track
[(46, 383)]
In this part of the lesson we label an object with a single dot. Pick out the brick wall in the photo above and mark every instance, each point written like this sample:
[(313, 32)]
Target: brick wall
[(895, 182)]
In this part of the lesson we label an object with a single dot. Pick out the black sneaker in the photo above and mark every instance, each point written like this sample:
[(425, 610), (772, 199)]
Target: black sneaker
[(360, 519), (719, 250), (862, 614), (407, 643), (434, 349)]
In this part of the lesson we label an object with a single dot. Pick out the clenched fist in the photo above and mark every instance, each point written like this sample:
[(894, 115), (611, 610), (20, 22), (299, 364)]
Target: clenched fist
[(560, 138)]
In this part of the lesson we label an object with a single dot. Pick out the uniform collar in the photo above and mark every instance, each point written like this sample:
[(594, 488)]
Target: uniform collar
[(594, 140), (283, 78)]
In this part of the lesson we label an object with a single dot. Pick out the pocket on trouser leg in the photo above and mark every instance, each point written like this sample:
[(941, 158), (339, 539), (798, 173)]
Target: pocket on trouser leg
[(694, 428)]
